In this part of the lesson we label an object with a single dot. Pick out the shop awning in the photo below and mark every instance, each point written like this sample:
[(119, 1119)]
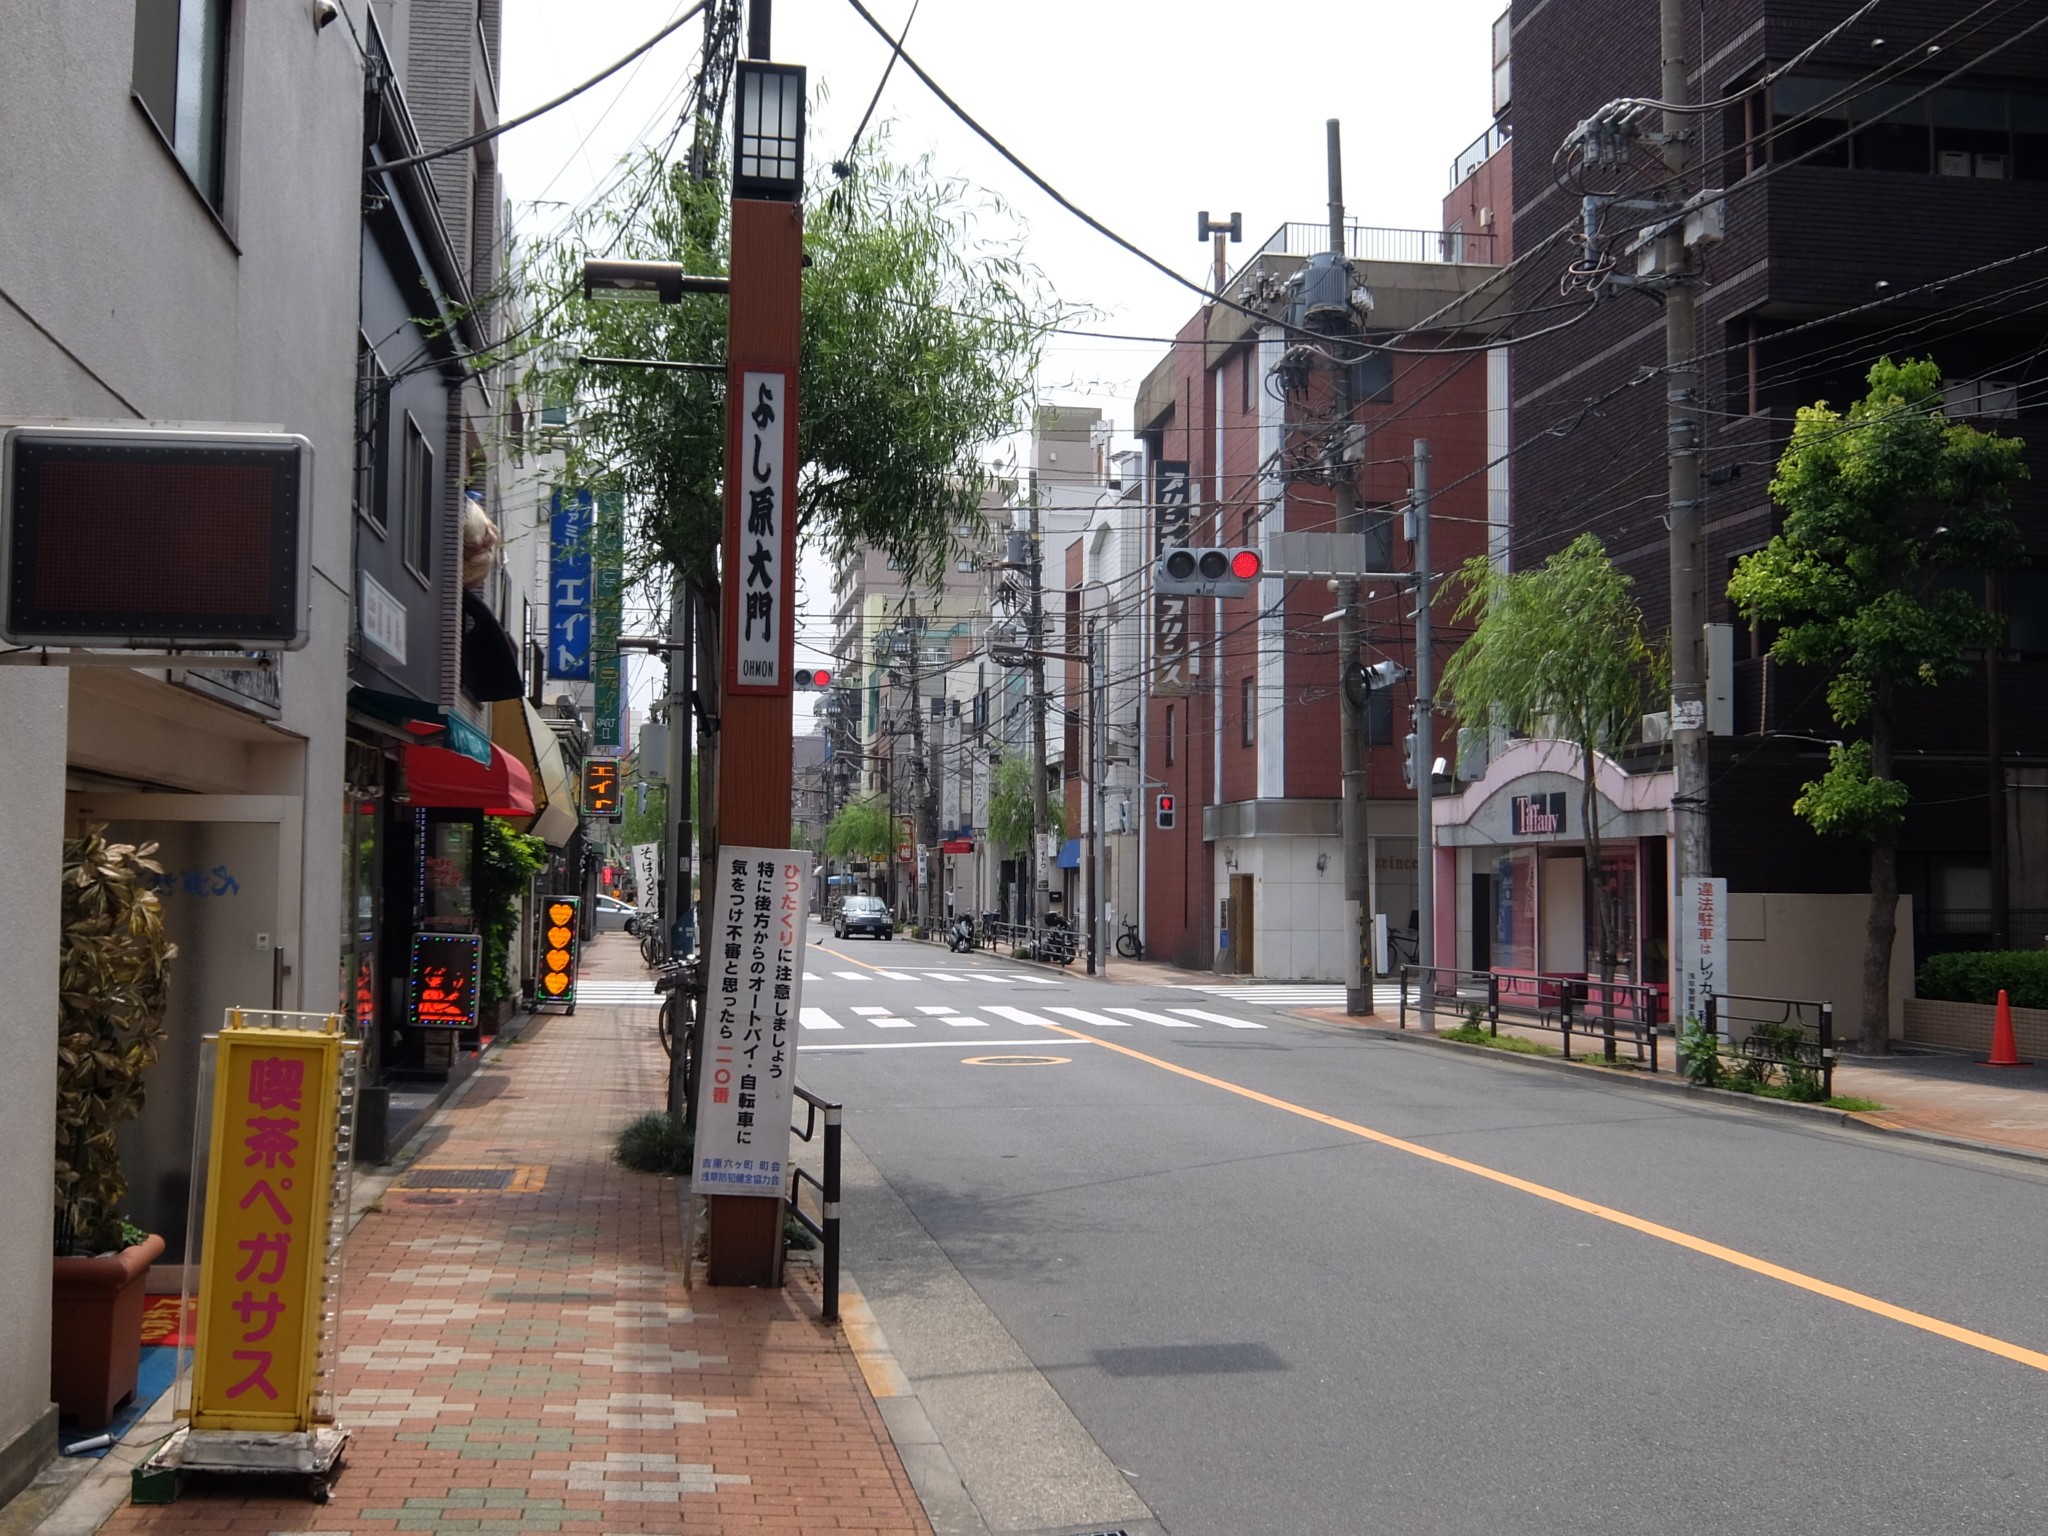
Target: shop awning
[(518, 729), (1070, 853), (490, 661), (418, 718), (449, 780)]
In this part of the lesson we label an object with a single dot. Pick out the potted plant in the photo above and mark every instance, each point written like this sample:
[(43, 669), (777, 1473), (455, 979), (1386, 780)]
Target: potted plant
[(113, 964)]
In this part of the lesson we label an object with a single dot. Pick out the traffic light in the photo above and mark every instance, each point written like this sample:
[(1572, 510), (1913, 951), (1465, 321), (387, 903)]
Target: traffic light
[(1162, 813), (809, 680), (601, 788), (1192, 572)]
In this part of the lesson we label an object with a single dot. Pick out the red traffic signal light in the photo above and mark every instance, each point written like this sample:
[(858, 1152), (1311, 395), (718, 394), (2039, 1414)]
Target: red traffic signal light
[(1210, 572), (809, 679), (1162, 812), (1245, 565)]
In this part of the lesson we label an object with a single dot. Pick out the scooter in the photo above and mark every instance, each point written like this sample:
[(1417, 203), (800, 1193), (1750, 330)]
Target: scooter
[(960, 937)]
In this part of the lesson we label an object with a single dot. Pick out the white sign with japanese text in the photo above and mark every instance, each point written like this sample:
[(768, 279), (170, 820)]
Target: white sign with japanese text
[(1702, 946), (647, 874), (763, 575), (746, 1082)]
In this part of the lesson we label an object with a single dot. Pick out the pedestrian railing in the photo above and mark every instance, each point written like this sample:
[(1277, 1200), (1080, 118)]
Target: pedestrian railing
[(1793, 1035), (825, 1225), (1616, 1013)]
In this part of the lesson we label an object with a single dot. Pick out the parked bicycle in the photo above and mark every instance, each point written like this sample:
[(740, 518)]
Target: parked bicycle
[(653, 942), (1128, 944), (676, 982)]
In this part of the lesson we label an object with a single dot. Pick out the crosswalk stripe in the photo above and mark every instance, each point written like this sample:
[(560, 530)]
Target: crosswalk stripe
[(942, 975), (1086, 1017), (1036, 981), (1218, 1018), (964, 1021), (892, 1023), (851, 975), (1017, 1015), (817, 1018), (812, 976), (868, 1010), (1155, 1018), (936, 1008), (895, 975)]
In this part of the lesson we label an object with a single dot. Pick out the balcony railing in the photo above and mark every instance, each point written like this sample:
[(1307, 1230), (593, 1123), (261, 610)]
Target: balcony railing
[(1479, 151), (1363, 242)]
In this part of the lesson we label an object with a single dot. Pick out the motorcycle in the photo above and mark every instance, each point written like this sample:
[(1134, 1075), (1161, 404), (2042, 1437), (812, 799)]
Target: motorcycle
[(960, 937), (1059, 943)]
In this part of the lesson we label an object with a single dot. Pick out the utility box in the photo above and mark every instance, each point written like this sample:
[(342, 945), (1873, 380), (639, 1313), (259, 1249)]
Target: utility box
[(1720, 649)]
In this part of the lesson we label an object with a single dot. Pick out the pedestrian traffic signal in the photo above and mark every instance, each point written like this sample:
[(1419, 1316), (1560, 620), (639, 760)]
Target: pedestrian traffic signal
[(810, 680), (1223, 572), (601, 788), (1162, 813)]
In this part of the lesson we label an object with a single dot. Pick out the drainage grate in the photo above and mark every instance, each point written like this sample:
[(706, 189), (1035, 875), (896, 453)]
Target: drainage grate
[(523, 1180)]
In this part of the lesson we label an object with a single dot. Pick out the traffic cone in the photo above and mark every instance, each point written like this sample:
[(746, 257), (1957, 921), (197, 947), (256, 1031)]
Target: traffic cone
[(2005, 1051)]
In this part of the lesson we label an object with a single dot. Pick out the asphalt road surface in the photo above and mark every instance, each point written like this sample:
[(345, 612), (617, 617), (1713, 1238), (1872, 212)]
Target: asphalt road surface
[(1158, 1259)]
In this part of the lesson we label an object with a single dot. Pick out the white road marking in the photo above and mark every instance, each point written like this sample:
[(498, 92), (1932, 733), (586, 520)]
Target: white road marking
[(851, 975), (1036, 981), (892, 1023), (1016, 1015), (1089, 1018), (912, 1045), (1155, 1018), (868, 1010), (812, 976), (817, 1018), (895, 975), (1219, 1018), (936, 1008)]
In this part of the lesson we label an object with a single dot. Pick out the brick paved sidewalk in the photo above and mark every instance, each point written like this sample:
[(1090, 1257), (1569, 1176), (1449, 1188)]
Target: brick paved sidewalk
[(527, 1359)]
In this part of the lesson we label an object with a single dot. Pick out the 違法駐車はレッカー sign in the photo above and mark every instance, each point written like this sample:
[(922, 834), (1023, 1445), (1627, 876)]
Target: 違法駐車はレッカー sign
[(747, 1078)]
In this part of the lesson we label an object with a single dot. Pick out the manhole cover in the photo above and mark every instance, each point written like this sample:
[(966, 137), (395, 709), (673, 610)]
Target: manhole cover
[(518, 1180)]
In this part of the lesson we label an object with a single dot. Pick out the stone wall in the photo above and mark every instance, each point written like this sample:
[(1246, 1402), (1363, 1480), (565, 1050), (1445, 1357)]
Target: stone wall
[(1967, 1026)]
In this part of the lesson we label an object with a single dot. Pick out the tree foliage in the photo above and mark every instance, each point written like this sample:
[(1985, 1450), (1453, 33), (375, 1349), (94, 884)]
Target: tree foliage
[(1880, 505), (863, 829), (1009, 806), (1558, 650), (922, 331), (506, 864)]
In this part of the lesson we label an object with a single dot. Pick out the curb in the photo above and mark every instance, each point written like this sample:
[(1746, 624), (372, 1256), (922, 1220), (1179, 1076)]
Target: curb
[(1814, 1114)]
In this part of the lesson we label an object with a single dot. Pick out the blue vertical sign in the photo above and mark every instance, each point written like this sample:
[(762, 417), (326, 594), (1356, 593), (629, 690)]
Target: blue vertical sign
[(569, 585)]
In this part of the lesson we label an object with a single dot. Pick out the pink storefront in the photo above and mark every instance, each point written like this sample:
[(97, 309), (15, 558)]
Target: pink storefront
[(1511, 888)]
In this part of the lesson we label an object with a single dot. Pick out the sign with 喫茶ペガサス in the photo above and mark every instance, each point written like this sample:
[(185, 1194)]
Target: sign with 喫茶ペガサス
[(747, 1079), (264, 1257)]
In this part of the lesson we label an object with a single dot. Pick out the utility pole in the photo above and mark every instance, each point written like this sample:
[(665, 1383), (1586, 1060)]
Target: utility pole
[(1098, 845), (676, 838), (1350, 520), (1425, 750), (1682, 386), (1041, 820), (923, 771)]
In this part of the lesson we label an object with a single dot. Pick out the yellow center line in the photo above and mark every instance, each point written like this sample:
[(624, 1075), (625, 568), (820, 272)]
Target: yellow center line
[(1993, 1346)]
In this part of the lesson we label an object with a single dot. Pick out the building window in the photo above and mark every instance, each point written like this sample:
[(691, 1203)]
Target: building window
[(1171, 751), (181, 79), (417, 500), (1247, 370), (1248, 706), (1372, 379), (1986, 135), (373, 433), (1806, 113), (1981, 399)]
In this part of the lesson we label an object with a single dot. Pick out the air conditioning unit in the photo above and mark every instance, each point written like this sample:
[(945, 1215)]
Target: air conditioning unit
[(1657, 727), (1486, 218)]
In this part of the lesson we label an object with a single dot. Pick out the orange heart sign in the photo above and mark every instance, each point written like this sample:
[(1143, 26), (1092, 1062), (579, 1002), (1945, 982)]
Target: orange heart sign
[(558, 961), (559, 937), (555, 982), (560, 912)]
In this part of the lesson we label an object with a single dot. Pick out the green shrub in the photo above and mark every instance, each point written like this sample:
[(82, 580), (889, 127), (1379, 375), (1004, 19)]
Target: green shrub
[(655, 1143), (1978, 977)]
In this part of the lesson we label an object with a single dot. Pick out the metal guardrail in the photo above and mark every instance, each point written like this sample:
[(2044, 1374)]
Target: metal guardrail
[(1363, 242), (1610, 1011), (1791, 1034), (825, 1226), (1039, 942)]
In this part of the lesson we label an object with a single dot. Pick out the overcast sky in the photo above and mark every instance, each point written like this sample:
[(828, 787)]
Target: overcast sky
[(1141, 111)]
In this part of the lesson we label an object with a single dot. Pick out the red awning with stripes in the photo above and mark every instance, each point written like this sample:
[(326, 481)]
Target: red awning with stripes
[(440, 778)]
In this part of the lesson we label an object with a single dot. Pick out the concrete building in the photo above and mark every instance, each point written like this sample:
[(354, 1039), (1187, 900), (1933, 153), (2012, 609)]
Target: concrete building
[(181, 246)]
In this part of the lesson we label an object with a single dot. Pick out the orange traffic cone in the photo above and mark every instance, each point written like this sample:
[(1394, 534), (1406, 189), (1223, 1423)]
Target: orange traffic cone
[(2005, 1051)]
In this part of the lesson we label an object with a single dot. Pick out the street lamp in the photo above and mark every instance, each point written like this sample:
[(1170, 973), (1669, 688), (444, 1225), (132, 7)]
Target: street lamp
[(648, 282), (768, 157)]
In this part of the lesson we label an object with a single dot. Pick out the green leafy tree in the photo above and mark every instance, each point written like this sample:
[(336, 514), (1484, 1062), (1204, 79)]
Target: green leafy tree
[(1880, 506), (1558, 650), (1009, 806), (922, 331), (505, 871), (863, 829)]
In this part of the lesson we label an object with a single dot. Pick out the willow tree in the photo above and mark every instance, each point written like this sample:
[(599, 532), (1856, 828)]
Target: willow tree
[(862, 829), (923, 327), (1881, 505), (1558, 650)]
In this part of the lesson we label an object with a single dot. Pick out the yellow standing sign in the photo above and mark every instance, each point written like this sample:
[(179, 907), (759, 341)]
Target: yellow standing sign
[(267, 1230)]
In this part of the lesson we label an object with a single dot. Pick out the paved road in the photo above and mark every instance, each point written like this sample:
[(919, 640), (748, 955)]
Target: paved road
[(1289, 1278)]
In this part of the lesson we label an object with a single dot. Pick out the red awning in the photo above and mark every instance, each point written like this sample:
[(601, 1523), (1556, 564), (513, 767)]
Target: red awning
[(438, 777)]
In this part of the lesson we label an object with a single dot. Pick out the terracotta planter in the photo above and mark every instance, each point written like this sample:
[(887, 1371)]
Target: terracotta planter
[(96, 1331)]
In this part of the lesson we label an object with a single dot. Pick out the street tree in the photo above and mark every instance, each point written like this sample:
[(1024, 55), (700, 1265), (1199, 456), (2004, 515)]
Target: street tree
[(923, 326), (1558, 650), (1009, 806), (863, 829), (1882, 507)]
